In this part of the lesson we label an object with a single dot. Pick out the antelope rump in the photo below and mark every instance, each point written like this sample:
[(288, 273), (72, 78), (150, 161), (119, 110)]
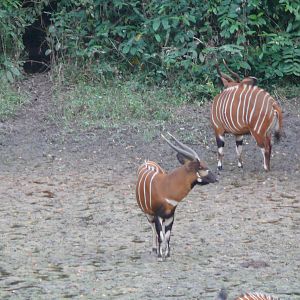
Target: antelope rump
[(244, 108)]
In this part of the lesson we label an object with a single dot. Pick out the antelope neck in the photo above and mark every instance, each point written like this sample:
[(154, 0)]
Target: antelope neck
[(178, 183)]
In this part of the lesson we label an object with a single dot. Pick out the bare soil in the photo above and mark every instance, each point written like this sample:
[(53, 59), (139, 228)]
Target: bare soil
[(70, 226)]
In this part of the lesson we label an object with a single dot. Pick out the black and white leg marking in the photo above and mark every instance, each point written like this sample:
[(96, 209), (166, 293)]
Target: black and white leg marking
[(168, 228), (160, 230), (239, 148), (220, 144), (163, 228)]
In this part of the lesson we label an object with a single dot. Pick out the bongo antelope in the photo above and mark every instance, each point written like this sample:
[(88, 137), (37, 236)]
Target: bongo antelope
[(158, 192), (248, 296), (243, 108)]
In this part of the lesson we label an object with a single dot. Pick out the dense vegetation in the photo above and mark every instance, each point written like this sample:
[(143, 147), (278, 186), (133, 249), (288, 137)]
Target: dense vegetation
[(171, 43)]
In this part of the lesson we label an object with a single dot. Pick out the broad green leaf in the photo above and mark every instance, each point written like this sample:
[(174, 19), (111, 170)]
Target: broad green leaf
[(57, 46), (51, 29), (126, 49), (192, 18), (133, 50), (48, 52), (9, 76), (201, 57), (165, 23), (15, 71), (156, 24), (157, 37), (245, 65)]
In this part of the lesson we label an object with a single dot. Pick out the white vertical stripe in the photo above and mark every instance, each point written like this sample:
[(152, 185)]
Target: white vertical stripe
[(221, 103), (145, 182), (213, 114), (241, 99), (254, 106), (146, 171), (264, 117), (250, 99), (222, 108), (245, 103), (260, 112), (233, 100), (229, 98), (149, 168), (150, 188)]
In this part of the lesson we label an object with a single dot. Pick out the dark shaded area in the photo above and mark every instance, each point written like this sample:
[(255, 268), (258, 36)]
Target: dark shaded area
[(35, 42)]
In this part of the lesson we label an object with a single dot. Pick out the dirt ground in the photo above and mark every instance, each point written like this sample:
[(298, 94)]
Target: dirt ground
[(70, 226)]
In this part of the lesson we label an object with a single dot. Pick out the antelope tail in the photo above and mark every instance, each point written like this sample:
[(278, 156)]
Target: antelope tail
[(279, 128)]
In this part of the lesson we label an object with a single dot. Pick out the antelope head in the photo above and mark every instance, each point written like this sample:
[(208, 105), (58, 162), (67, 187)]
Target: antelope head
[(190, 159), (235, 79)]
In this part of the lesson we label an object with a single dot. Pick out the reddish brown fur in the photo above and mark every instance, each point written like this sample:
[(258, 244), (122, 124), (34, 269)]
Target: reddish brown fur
[(248, 296), (243, 108), (255, 296), (174, 185), (158, 192)]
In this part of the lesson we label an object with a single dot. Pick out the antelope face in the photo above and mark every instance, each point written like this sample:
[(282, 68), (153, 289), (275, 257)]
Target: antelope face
[(204, 175)]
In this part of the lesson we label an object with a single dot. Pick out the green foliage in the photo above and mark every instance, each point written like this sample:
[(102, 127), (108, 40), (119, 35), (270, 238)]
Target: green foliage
[(139, 59), (166, 42), (10, 100), (179, 40)]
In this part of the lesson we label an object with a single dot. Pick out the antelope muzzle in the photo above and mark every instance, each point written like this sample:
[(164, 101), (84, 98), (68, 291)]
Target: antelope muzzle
[(209, 177)]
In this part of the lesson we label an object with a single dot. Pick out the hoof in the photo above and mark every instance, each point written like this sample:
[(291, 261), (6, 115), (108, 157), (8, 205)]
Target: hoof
[(161, 258)]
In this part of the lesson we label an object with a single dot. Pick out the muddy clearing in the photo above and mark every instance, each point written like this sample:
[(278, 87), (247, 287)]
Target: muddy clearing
[(71, 228)]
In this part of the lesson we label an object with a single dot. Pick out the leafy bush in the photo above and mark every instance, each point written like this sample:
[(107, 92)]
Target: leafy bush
[(169, 42), (170, 39), (10, 100)]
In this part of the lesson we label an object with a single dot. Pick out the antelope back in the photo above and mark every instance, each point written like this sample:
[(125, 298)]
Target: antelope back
[(255, 296), (144, 188), (242, 108)]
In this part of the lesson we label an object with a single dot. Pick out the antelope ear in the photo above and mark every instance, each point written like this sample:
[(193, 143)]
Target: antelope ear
[(250, 80), (225, 82), (182, 159)]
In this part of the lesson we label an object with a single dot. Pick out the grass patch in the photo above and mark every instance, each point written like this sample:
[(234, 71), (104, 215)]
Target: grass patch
[(10, 100), (286, 90), (108, 105)]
